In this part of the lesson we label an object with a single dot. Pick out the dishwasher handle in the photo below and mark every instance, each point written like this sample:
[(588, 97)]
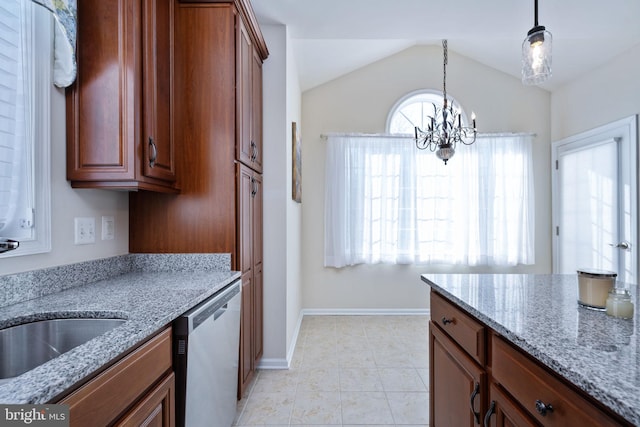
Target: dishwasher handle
[(212, 308), (222, 310)]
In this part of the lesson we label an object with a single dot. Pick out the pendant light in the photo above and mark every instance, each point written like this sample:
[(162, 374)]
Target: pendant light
[(536, 54)]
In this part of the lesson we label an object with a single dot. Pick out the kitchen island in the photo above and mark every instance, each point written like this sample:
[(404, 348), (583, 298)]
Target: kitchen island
[(588, 352), (149, 291)]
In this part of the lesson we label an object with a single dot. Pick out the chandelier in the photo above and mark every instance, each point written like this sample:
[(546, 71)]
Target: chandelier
[(444, 128), (536, 53)]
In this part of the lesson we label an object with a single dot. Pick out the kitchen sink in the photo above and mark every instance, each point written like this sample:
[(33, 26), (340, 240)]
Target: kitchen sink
[(26, 346)]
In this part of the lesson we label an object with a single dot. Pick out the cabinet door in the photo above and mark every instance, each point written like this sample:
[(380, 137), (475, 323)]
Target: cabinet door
[(503, 412), (157, 66), (256, 111), (256, 212), (246, 319), (245, 195), (457, 384), (245, 148), (155, 410)]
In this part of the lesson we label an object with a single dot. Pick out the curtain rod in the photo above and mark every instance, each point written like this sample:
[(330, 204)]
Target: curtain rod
[(325, 136)]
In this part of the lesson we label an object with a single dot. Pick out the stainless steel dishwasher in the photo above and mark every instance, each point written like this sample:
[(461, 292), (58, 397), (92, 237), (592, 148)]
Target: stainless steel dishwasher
[(206, 342)]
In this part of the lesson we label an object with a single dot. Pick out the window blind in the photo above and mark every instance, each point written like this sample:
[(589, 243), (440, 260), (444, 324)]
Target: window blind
[(10, 70)]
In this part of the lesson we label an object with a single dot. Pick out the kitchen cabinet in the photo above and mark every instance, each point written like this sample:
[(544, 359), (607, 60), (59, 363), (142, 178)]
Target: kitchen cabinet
[(545, 397), (143, 381), (504, 412), (250, 261), (460, 383), (157, 409), (219, 52), (249, 91), (457, 355), (119, 110), (479, 378)]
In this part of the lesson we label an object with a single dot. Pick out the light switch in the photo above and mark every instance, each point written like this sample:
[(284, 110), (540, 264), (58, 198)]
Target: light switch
[(84, 230)]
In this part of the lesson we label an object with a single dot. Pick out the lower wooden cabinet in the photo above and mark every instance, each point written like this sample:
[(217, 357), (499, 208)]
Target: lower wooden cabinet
[(504, 412), (460, 383), (137, 390), (477, 378), (155, 410)]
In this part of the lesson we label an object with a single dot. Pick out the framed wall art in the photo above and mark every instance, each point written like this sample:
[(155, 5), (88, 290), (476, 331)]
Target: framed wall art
[(296, 159)]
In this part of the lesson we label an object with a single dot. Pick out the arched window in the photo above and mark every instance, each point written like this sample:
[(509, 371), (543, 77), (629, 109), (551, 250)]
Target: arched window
[(414, 109)]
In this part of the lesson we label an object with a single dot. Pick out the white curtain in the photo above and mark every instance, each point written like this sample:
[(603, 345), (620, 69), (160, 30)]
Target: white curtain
[(386, 201)]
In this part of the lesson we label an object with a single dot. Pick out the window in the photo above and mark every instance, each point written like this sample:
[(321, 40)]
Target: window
[(25, 85), (386, 201), (413, 109)]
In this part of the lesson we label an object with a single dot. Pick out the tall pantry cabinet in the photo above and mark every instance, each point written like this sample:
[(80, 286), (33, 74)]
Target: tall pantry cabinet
[(218, 55)]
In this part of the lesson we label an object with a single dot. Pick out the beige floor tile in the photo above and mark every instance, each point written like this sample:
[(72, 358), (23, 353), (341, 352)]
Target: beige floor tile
[(360, 379), (365, 408), (273, 381), (319, 379), (401, 379), (317, 408), (424, 375), (409, 408), (357, 370), (267, 408)]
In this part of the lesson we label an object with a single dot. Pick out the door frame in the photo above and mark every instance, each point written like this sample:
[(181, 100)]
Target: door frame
[(625, 129)]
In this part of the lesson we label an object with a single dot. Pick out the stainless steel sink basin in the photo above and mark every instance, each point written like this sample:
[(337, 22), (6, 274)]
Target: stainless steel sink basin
[(26, 346)]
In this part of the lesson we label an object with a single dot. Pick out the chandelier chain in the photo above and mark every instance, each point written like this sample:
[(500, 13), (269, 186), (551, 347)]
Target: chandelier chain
[(444, 66)]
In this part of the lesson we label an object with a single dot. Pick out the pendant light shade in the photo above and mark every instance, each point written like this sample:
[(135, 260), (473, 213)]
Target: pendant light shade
[(536, 54)]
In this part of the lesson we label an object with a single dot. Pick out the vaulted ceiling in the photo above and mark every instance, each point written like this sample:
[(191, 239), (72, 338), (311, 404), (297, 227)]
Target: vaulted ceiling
[(334, 37)]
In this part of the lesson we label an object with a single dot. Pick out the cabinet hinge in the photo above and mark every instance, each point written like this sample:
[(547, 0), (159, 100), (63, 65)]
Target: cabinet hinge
[(557, 165), (557, 231)]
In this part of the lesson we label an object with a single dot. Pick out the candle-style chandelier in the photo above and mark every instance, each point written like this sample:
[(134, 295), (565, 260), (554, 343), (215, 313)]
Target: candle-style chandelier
[(444, 128)]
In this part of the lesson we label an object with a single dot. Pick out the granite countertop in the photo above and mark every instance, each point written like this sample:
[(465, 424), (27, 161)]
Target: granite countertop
[(539, 314), (147, 300)]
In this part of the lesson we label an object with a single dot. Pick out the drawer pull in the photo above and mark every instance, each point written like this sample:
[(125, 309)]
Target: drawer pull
[(446, 321), (542, 408), (476, 392), (490, 412)]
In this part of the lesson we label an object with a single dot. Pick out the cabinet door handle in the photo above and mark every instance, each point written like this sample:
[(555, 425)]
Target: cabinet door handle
[(153, 152), (446, 321), (476, 392), (254, 151), (254, 187), (543, 408), (490, 412)]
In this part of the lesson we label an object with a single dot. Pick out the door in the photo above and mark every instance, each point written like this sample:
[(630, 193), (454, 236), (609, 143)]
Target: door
[(503, 412), (595, 200)]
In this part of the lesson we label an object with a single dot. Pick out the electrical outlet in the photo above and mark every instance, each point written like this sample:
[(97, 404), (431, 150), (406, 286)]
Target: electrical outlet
[(108, 228), (84, 231)]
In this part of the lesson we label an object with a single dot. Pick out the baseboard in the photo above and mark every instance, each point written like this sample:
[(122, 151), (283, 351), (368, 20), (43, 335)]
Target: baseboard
[(284, 363), (281, 363)]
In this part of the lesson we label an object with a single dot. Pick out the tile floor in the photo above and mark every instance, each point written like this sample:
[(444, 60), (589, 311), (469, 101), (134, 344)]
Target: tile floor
[(347, 370)]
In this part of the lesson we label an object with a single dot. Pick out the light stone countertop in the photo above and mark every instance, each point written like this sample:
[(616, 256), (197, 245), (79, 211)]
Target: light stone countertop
[(148, 300), (540, 314)]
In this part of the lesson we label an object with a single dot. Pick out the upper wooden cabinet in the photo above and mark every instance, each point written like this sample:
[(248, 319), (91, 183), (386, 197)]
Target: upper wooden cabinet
[(119, 110), (249, 93)]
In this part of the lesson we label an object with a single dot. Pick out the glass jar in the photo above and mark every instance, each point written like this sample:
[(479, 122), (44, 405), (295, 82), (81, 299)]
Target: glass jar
[(619, 303)]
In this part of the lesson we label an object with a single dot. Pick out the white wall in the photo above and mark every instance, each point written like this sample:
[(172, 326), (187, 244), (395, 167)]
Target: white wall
[(282, 216), (604, 95), (67, 203), (360, 102)]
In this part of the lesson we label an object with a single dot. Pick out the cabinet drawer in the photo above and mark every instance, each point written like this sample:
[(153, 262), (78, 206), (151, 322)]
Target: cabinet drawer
[(105, 397), (529, 384), (466, 331)]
